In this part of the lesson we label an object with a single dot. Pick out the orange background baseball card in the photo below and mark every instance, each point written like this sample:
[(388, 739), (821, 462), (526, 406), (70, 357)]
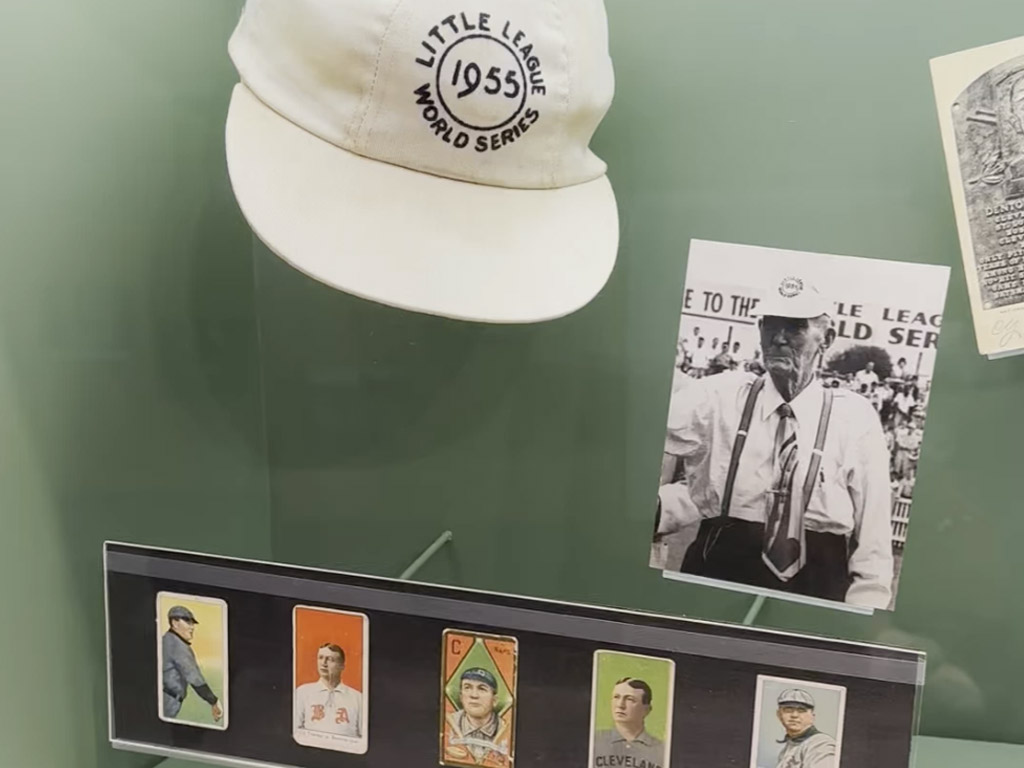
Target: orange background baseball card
[(315, 626), (331, 690)]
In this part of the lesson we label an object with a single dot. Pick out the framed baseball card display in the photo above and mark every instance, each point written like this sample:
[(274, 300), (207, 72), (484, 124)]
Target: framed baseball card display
[(468, 678), (797, 724), (192, 660), (980, 99), (631, 710), (331, 685), (800, 391), (478, 699)]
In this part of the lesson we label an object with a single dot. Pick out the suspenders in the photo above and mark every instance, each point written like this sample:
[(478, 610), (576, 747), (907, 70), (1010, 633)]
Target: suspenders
[(819, 444), (741, 441)]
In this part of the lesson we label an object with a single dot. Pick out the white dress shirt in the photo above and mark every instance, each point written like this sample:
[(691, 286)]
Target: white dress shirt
[(851, 495), (904, 402)]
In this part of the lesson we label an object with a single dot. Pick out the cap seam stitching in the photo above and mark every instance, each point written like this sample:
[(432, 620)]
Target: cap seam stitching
[(357, 132), (552, 159)]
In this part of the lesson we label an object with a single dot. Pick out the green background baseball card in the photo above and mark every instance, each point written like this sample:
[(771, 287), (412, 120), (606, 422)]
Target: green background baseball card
[(631, 710)]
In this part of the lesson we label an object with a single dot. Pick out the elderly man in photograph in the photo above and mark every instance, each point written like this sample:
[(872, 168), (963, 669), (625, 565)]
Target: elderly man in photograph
[(789, 480)]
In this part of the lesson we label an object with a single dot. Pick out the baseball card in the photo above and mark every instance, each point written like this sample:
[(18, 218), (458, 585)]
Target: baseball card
[(192, 660), (331, 663), (797, 724), (631, 710), (478, 699)]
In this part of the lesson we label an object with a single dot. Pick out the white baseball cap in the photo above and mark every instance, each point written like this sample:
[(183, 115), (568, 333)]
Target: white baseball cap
[(794, 296), (427, 159)]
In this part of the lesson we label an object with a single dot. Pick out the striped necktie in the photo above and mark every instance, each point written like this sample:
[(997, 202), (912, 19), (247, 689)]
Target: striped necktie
[(783, 550)]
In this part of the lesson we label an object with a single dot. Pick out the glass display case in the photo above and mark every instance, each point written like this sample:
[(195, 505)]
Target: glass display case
[(166, 380)]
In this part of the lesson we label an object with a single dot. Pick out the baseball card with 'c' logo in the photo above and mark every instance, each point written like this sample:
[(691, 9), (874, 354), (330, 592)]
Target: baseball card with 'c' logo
[(192, 659), (478, 699), (331, 658)]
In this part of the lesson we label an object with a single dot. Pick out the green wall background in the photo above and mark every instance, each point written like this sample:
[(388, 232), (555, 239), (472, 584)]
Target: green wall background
[(792, 123), (129, 388)]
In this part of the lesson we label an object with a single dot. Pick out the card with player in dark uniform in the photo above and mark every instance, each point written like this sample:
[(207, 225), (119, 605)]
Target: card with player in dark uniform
[(331, 658), (631, 710), (478, 699), (192, 660)]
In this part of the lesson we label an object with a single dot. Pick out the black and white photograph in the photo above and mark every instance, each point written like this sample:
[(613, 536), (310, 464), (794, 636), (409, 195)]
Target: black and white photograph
[(980, 100), (797, 724), (800, 388)]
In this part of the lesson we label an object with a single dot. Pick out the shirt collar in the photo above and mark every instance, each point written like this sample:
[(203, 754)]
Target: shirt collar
[(325, 687), (642, 738), (490, 729), (806, 405), (803, 736), (178, 637)]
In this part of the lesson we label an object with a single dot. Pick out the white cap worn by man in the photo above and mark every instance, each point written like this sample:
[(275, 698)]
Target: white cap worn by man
[(427, 159), (794, 297)]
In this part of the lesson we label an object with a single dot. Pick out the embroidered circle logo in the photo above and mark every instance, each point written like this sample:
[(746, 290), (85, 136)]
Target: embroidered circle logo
[(791, 286), (483, 73)]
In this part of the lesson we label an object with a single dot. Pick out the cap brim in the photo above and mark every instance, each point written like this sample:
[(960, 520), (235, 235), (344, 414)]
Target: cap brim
[(413, 240), (767, 309)]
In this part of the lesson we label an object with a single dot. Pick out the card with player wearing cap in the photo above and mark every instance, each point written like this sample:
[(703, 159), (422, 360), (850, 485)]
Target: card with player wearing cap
[(797, 724), (631, 710), (331, 696), (478, 699), (192, 660)]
